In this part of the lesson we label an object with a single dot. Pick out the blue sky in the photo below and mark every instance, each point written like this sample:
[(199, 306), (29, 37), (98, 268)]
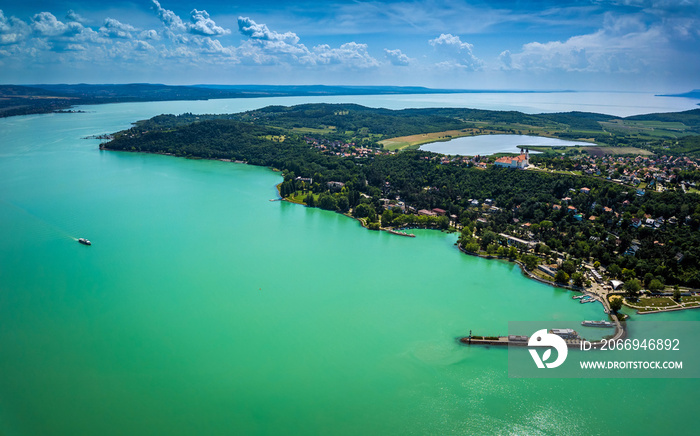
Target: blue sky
[(629, 45)]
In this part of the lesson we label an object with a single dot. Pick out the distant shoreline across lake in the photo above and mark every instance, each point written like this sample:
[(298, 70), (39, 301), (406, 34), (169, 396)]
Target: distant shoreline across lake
[(30, 99)]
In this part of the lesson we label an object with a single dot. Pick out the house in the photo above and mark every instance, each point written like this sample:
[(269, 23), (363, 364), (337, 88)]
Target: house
[(522, 243), (307, 180), (585, 190), (336, 185), (521, 161), (439, 211), (578, 217), (556, 207), (571, 209), (546, 270), (426, 212)]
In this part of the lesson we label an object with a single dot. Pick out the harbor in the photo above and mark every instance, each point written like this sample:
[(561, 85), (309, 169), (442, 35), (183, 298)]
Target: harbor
[(570, 336)]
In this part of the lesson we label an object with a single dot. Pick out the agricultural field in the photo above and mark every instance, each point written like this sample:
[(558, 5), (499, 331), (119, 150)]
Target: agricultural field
[(659, 129)]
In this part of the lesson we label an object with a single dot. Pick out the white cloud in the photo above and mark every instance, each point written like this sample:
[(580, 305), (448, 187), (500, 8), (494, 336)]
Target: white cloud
[(450, 41), (12, 30), (350, 54), (116, 29), (460, 53), (267, 46), (149, 34), (624, 44), (203, 25), (73, 16), (169, 18), (46, 24), (396, 57), (254, 30)]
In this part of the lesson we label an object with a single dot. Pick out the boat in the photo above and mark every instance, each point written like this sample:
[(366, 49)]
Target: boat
[(586, 299), (84, 241), (578, 297), (597, 324)]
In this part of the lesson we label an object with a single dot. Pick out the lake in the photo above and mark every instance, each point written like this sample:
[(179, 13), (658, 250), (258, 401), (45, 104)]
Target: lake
[(204, 308), (489, 144)]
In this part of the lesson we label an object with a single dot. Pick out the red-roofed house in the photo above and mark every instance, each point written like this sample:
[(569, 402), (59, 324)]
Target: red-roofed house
[(521, 161)]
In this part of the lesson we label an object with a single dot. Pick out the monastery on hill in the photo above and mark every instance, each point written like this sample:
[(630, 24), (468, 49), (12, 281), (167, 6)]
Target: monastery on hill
[(521, 161)]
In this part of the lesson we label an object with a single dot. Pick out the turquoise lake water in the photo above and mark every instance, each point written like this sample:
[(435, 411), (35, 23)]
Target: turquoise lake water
[(204, 308)]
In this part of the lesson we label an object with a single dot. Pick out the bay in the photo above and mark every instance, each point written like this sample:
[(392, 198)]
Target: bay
[(204, 308)]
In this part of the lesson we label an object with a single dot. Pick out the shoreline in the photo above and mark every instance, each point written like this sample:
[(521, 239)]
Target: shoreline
[(524, 271)]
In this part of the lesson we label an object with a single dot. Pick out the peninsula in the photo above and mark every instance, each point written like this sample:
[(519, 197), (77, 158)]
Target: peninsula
[(620, 216)]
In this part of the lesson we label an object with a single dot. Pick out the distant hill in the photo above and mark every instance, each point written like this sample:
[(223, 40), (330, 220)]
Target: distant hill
[(28, 99), (690, 118), (695, 93)]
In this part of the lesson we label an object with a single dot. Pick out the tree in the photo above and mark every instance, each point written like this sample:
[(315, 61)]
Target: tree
[(632, 288), (628, 274), (309, 200), (343, 204), (648, 277), (677, 295), (577, 278), (568, 267), (488, 238), (561, 277), (512, 252), (614, 270), (655, 285), (327, 201), (530, 261), (615, 303)]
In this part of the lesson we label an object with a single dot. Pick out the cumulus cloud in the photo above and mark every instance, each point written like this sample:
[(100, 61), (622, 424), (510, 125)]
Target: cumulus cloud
[(267, 46), (624, 44), (46, 24), (396, 57), (12, 30), (450, 41), (116, 29), (149, 34), (460, 53), (169, 18), (350, 54), (73, 16), (254, 30), (203, 25)]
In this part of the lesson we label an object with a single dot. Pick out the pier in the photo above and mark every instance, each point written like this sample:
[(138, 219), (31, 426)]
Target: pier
[(395, 232), (521, 341)]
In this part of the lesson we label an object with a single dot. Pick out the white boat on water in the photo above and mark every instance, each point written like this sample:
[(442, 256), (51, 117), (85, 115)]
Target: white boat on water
[(597, 324)]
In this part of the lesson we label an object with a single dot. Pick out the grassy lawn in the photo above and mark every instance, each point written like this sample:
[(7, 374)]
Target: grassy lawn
[(542, 275), (299, 197), (655, 302), (403, 142), (327, 129)]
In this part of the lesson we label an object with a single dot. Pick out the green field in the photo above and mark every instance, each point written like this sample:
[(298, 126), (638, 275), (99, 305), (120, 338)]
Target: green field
[(660, 129)]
